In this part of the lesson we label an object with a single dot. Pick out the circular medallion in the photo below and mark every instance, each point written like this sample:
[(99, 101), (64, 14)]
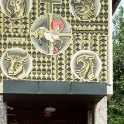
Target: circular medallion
[(51, 34), (85, 10), (16, 63), (16, 9), (86, 65)]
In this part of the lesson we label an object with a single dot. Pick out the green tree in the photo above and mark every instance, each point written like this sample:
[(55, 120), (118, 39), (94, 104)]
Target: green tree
[(116, 102)]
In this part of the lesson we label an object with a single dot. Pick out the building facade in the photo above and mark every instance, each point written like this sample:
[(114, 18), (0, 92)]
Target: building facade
[(56, 61)]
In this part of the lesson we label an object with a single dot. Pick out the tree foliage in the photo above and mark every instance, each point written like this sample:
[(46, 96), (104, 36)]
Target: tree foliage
[(116, 103)]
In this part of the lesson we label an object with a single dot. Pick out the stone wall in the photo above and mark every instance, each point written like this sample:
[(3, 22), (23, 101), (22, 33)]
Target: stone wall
[(3, 111), (100, 113)]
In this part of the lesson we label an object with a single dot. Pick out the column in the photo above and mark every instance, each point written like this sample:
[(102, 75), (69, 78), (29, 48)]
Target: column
[(89, 113), (3, 111), (101, 112)]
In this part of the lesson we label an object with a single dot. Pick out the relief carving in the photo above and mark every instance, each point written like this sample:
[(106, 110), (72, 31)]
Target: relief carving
[(85, 9), (86, 71), (16, 68), (16, 9), (86, 65), (16, 63)]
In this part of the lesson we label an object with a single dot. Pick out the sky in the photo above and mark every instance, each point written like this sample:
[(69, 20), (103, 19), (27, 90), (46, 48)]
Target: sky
[(122, 2)]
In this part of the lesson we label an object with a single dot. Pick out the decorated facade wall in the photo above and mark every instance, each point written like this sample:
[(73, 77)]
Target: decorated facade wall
[(54, 40)]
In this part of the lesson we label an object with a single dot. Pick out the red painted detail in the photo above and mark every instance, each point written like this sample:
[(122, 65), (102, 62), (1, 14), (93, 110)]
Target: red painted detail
[(47, 114), (56, 22), (55, 49)]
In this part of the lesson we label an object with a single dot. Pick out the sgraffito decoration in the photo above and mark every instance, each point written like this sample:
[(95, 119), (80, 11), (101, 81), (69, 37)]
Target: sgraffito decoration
[(16, 63), (85, 9), (16, 9), (86, 65), (52, 32)]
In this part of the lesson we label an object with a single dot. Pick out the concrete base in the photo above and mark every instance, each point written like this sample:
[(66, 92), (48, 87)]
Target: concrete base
[(3, 111)]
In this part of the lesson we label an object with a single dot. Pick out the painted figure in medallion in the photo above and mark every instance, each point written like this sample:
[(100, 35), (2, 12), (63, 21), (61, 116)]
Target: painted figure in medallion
[(51, 37), (51, 34)]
